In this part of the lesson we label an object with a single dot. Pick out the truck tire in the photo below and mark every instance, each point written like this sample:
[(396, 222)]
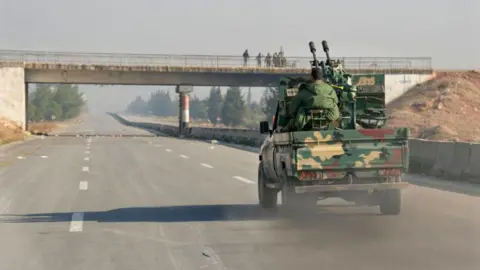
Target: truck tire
[(267, 197), (390, 202)]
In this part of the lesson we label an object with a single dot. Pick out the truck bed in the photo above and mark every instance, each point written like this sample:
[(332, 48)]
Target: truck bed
[(336, 152)]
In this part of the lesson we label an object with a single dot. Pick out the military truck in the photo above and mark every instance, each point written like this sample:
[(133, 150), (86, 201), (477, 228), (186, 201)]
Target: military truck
[(360, 162)]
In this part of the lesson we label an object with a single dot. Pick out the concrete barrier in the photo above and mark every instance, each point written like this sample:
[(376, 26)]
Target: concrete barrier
[(456, 160), (423, 155), (474, 164), (444, 158), (460, 166)]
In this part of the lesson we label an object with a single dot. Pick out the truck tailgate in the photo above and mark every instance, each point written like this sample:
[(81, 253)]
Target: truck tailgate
[(344, 150)]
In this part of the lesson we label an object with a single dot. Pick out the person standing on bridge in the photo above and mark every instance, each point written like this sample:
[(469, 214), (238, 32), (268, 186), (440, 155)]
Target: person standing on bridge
[(246, 56), (268, 60), (259, 60)]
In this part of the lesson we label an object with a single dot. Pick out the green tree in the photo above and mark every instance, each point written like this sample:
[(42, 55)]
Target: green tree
[(233, 109), (32, 113), (41, 99), (55, 111), (249, 97), (138, 106), (214, 104), (67, 102), (269, 101), (198, 108), (62, 101), (160, 103)]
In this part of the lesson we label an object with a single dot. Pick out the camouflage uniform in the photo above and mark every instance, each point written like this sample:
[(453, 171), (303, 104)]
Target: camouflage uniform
[(315, 95)]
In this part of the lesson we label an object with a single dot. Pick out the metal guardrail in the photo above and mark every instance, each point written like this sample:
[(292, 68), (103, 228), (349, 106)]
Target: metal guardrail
[(210, 61)]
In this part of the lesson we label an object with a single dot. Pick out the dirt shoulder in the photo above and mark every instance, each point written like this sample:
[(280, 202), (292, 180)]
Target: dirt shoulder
[(444, 108), (10, 132)]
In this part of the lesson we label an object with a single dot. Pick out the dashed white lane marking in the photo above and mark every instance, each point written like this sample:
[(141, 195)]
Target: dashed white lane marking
[(20, 157), (244, 180), (88, 147), (44, 156), (168, 150), (158, 145), (76, 225), (206, 165), (87, 152), (149, 142), (85, 169), (86, 158), (83, 185), (183, 156)]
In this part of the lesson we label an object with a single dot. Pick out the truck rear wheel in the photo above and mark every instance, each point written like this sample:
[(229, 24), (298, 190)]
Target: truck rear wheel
[(267, 197), (390, 202)]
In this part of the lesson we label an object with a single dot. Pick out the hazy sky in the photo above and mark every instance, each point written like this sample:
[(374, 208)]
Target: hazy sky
[(446, 30)]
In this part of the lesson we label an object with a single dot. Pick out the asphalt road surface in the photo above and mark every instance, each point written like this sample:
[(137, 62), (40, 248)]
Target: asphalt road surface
[(144, 202)]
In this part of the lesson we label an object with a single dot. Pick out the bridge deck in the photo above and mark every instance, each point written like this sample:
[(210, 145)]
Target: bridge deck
[(200, 69), (201, 63)]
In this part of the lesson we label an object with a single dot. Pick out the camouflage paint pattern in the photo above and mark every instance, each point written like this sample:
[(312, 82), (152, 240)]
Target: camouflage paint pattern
[(338, 151), (369, 82)]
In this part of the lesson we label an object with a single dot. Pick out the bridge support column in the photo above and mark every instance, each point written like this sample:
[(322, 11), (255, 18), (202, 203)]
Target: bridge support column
[(26, 106), (13, 95), (184, 108)]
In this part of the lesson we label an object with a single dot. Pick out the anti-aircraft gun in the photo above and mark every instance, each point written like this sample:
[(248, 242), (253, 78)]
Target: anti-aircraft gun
[(356, 108)]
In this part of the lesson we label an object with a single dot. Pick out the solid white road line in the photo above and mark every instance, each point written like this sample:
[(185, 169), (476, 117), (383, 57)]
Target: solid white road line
[(206, 165), (83, 185), (183, 156), (244, 180), (85, 169), (77, 222)]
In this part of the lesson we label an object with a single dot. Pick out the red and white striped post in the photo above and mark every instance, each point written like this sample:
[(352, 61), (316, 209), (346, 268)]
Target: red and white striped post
[(184, 108)]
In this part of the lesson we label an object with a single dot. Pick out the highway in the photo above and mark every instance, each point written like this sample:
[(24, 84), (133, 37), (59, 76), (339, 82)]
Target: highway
[(153, 202)]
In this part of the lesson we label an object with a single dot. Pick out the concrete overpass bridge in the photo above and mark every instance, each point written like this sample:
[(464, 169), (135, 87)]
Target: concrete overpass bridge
[(19, 68)]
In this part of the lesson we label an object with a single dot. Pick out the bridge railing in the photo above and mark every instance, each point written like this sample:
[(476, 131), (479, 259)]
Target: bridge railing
[(212, 61)]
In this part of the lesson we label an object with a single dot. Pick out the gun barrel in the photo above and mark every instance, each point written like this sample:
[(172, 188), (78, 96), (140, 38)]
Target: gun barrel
[(325, 46), (326, 50), (311, 44), (312, 47)]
